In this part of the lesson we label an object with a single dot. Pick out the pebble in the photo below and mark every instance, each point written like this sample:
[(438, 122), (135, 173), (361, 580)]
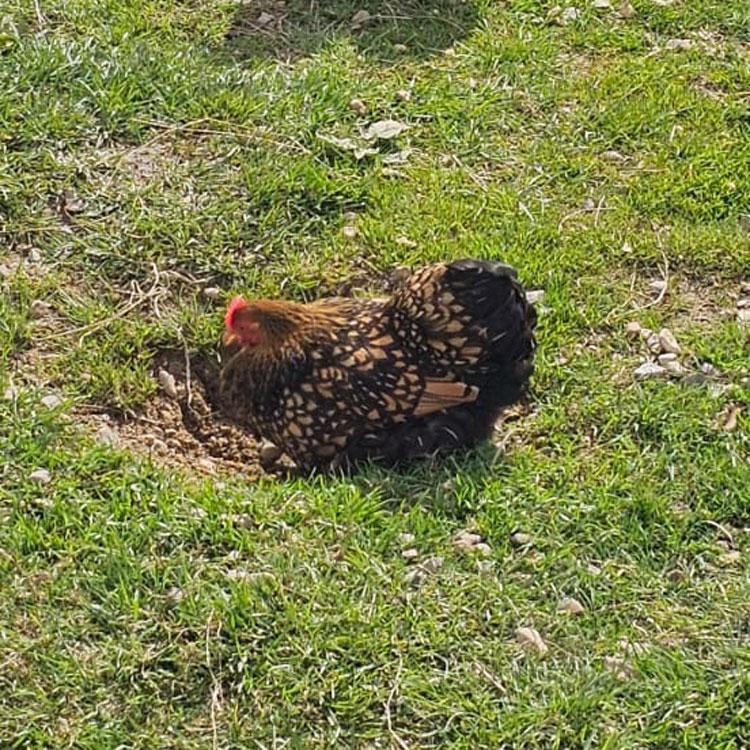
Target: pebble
[(649, 371), (466, 540), (672, 366), (10, 393), (406, 538), (401, 49), (403, 95), (108, 436), (535, 296), (633, 329), (613, 156), (174, 596), (743, 316), (483, 549), (349, 232), (519, 539), (358, 106), (570, 605), (626, 10), (212, 293), (657, 286), (669, 342), (530, 639), (52, 401), (40, 476), (167, 383), (410, 554), (601, 4), (654, 343), (570, 14)]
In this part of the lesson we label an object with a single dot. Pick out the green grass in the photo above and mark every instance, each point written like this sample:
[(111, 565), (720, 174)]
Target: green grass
[(152, 148)]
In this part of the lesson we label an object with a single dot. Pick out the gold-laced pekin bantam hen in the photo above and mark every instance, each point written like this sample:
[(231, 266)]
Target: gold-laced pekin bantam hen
[(341, 380)]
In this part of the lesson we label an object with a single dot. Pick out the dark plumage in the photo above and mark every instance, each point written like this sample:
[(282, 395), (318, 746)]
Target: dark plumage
[(428, 369)]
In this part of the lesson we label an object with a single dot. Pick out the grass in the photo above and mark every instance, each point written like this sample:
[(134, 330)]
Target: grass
[(150, 149)]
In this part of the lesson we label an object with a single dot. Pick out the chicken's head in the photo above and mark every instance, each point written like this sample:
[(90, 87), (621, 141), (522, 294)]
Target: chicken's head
[(241, 326)]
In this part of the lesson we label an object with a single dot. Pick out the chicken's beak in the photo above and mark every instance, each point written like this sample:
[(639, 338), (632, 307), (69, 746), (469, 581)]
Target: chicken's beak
[(229, 338)]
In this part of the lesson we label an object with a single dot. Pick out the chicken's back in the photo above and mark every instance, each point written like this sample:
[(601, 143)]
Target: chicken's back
[(478, 327)]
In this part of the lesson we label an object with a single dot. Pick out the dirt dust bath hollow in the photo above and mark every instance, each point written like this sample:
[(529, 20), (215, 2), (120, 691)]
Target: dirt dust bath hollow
[(183, 426)]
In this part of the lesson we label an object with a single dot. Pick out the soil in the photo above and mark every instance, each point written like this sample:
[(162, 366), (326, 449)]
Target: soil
[(186, 428)]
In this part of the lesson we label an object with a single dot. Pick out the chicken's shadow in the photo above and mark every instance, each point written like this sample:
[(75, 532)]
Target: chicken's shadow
[(289, 29)]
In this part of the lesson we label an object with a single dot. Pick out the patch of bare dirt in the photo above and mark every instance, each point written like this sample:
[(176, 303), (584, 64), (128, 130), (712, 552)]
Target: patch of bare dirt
[(183, 426)]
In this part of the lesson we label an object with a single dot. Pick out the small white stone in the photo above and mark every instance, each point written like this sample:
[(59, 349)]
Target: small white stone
[(613, 156), (174, 596), (349, 232), (264, 19), (410, 554), (743, 316), (649, 371), (406, 538), (657, 286), (108, 436), (466, 540), (530, 639), (403, 95), (601, 4), (52, 401), (40, 476), (570, 605), (167, 383), (519, 539), (358, 106), (535, 296), (654, 343), (483, 549), (212, 293), (633, 329), (626, 10), (570, 14), (668, 342)]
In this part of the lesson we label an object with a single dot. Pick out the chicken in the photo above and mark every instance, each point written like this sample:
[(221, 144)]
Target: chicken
[(341, 380)]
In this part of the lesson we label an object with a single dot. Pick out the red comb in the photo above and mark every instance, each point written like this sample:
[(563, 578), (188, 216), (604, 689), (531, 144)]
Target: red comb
[(237, 304)]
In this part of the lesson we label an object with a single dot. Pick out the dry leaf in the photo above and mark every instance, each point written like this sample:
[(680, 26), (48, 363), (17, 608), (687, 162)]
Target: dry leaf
[(384, 130)]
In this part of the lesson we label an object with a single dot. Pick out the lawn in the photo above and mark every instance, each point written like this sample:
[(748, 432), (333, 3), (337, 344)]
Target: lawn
[(157, 156)]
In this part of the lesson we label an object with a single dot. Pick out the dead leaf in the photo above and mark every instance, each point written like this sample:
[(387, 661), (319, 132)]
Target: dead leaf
[(358, 149), (384, 130)]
